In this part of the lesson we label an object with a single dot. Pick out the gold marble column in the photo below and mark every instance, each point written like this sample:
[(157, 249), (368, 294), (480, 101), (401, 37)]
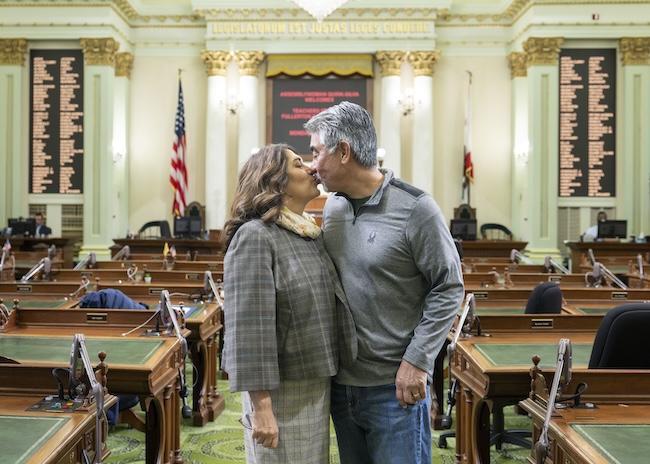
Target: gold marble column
[(250, 132), (13, 164), (633, 196), (218, 164), (390, 113), (100, 173), (542, 61), (422, 166)]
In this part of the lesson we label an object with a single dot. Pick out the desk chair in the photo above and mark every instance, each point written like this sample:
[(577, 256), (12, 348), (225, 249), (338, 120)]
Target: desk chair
[(546, 298), (622, 339), (163, 226), (492, 231)]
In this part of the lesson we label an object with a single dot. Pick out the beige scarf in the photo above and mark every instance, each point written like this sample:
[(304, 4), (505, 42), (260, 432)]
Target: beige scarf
[(303, 225)]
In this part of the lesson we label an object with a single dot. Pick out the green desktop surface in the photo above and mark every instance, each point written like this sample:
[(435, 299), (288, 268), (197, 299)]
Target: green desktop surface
[(520, 354), (619, 443), (595, 311), (51, 349), (23, 435), (497, 311), (49, 304)]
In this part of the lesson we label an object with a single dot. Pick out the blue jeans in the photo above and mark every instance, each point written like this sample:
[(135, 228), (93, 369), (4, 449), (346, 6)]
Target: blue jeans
[(372, 428)]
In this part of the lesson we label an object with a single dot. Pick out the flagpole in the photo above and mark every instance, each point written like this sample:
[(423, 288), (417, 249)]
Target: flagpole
[(469, 115)]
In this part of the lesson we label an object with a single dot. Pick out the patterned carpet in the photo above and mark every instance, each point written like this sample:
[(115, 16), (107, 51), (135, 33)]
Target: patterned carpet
[(222, 442)]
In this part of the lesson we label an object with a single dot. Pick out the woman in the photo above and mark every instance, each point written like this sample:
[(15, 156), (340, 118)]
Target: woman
[(286, 317)]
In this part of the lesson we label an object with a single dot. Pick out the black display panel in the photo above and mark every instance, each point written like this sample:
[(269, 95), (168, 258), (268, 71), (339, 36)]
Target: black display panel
[(296, 100), (56, 121), (587, 123)]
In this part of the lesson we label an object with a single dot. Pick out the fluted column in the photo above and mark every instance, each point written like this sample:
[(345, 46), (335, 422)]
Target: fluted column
[(542, 59), (216, 160), (249, 111), (99, 171), (120, 145), (635, 190), (520, 146), (422, 174), (389, 119), (13, 163)]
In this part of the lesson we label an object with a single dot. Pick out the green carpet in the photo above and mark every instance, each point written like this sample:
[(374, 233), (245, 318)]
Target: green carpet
[(222, 441)]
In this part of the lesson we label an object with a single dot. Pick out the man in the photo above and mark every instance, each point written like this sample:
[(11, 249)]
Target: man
[(592, 232), (41, 229), (401, 273)]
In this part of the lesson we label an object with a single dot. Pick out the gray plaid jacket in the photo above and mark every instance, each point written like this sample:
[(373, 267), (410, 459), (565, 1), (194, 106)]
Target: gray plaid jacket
[(285, 312)]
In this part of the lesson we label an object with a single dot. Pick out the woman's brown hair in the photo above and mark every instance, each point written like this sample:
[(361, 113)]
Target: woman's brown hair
[(262, 181)]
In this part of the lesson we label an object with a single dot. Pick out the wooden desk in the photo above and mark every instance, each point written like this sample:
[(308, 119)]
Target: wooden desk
[(487, 266), (141, 366), (36, 437), (603, 249), (155, 246), (481, 280), (30, 244), (491, 248), (611, 433), (494, 371), (120, 276), (157, 265)]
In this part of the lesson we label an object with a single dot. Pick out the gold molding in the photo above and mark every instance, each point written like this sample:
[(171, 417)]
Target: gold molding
[(635, 50), (542, 50), (390, 62), (100, 51), (123, 64), (518, 64), (216, 62), (249, 62), (13, 51), (423, 62)]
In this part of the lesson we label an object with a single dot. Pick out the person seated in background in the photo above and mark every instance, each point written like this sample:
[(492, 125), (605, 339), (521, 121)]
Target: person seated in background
[(41, 229), (592, 232)]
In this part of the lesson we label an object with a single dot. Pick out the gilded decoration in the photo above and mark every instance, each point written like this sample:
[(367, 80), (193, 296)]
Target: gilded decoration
[(249, 62), (423, 62), (123, 64), (216, 62), (635, 50), (390, 62), (518, 65), (12, 51), (100, 51), (319, 65), (542, 50)]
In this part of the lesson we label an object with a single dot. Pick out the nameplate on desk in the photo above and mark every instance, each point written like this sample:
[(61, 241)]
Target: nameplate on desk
[(97, 318), (541, 324), (193, 276), (155, 291), (24, 288), (481, 295), (619, 295), (555, 278)]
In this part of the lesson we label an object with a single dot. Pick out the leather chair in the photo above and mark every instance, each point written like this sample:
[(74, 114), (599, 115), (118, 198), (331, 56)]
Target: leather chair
[(546, 298), (492, 231), (622, 339), (164, 231)]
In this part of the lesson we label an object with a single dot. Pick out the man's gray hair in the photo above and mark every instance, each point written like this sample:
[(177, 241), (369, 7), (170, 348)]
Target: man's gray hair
[(347, 122)]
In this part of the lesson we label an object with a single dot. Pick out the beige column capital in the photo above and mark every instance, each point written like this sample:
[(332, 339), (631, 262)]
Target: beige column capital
[(100, 51), (518, 64), (13, 51), (123, 64), (249, 62), (423, 62), (216, 62), (542, 50), (635, 50), (390, 62)]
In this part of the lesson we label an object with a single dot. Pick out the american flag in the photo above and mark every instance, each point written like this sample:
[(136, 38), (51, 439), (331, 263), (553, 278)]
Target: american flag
[(468, 165), (178, 175)]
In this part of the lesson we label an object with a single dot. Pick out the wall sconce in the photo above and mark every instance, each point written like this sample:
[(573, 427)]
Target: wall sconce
[(521, 150), (381, 154), (407, 102), (233, 103), (119, 151)]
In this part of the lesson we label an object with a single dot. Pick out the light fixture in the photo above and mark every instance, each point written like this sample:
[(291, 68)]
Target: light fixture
[(233, 103), (407, 102), (381, 155), (319, 9)]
